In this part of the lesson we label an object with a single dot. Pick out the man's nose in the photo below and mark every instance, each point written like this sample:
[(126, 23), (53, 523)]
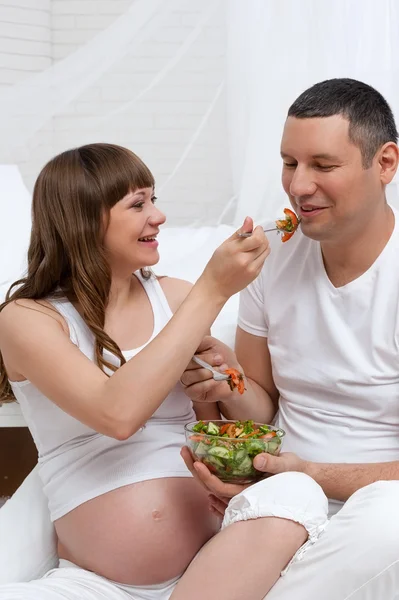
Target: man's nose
[(302, 183)]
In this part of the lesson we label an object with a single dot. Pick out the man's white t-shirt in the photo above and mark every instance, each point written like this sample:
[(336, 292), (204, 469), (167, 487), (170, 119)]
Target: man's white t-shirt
[(334, 351)]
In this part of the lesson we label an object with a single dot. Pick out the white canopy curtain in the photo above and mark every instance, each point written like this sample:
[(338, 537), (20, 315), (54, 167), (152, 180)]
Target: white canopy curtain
[(229, 75), (276, 49)]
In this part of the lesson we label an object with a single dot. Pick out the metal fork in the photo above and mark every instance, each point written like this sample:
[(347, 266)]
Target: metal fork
[(216, 375), (249, 233)]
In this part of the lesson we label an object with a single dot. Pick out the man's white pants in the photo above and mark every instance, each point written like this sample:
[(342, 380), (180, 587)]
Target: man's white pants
[(357, 556), (353, 556)]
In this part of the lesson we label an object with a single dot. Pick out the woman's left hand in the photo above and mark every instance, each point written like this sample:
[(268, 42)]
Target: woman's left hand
[(218, 505)]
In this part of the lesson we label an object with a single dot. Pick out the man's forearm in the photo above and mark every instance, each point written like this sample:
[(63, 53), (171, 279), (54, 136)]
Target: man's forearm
[(340, 481), (254, 404)]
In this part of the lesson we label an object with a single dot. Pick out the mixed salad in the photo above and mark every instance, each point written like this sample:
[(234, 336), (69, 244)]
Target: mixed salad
[(288, 225), (228, 448)]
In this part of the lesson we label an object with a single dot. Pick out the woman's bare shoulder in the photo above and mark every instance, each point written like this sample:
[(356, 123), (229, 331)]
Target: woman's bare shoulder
[(25, 324), (28, 309)]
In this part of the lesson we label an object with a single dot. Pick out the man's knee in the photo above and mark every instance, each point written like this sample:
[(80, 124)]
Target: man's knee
[(373, 510), (293, 496)]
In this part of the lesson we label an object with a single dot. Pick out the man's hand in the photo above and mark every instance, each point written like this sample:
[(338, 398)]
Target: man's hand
[(286, 461), (198, 382)]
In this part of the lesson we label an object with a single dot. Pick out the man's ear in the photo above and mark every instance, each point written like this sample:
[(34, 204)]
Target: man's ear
[(388, 160)]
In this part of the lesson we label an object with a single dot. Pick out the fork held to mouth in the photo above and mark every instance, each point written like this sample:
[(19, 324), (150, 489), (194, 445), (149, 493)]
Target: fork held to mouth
[(249, 233), (286, 226)]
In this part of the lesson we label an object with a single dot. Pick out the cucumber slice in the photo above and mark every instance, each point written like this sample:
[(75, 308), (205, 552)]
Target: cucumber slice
[(214, 460), (219, 451), (201, 449), (212, 429), (257, 446), (240, 455), (244, 466), (273, 447)]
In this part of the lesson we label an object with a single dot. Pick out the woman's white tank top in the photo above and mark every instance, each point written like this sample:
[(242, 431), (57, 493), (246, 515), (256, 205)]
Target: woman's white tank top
[(76, 463)]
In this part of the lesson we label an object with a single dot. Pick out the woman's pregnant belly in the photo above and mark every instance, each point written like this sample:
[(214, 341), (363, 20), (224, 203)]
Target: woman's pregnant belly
[(140, 534)]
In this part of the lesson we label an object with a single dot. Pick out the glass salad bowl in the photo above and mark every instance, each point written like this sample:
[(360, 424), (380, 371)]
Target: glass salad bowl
[(228, 448)]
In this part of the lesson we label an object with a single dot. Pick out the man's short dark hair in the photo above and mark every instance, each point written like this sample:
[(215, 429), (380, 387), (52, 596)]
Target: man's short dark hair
[(371, 121)]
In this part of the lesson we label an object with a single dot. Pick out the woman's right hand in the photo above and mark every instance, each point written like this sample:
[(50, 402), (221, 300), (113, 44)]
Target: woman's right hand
[(198, 382), (236, 262)]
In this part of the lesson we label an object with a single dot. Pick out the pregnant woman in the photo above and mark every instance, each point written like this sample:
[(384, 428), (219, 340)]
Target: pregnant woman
[(92, 347)]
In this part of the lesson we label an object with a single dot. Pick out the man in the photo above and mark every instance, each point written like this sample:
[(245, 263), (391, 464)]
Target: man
[(318, 339)]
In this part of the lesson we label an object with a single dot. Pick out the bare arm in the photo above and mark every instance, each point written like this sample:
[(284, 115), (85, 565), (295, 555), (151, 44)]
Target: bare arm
[(260, 401), (36, 345), (209, 411), (340, 481)]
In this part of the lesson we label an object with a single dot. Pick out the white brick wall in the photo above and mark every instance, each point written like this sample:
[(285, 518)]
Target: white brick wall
[(25, 39), (25, 49), (159, 126)]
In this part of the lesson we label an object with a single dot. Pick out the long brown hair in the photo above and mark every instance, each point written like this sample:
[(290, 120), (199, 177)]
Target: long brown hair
[(66, 258)]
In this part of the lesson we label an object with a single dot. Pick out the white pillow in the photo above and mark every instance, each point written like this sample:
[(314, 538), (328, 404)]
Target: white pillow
[(184, 254), (27, 536)]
